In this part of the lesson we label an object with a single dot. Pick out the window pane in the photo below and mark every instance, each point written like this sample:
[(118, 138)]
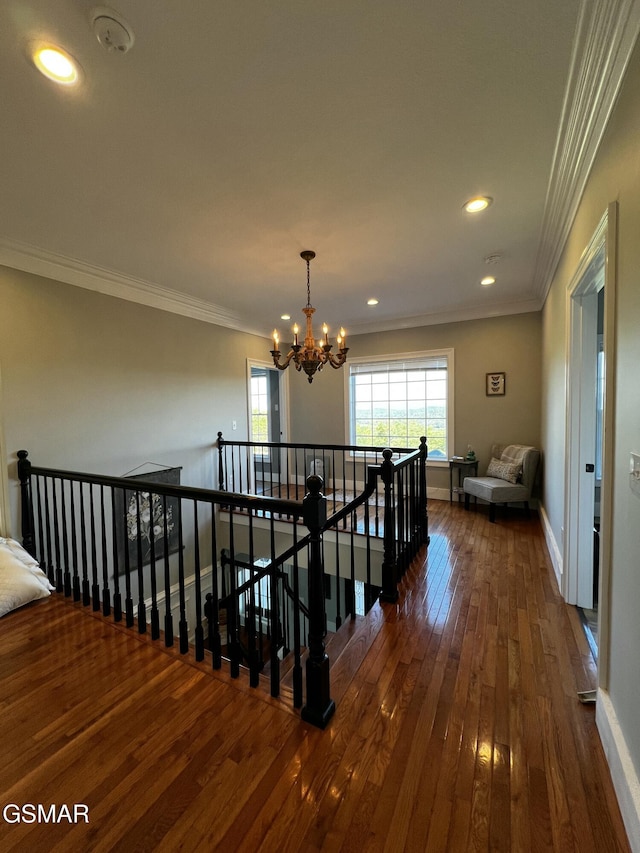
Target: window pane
[(395, 403)]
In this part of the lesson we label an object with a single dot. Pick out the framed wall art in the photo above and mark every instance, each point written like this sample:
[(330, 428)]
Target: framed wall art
[(144, 517), (495, 384)]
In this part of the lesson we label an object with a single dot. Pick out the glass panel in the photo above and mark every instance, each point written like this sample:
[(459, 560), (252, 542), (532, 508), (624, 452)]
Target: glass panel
[(395, 403)]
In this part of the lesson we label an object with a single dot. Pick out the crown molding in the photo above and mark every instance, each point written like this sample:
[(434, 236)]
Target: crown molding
[(606, 34), (31, 259), (474, 312)]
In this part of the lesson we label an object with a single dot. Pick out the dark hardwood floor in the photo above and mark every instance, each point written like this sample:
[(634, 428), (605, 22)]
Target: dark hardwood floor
[(457, 728)]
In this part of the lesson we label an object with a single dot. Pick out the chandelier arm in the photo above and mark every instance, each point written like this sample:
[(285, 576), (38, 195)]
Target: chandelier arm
[(282, 365), (336, 360)]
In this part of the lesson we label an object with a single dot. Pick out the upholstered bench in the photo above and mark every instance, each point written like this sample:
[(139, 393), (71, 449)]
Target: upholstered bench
[(510, 476)]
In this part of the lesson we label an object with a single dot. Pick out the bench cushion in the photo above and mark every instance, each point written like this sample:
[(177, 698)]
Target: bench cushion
[(495, 490)]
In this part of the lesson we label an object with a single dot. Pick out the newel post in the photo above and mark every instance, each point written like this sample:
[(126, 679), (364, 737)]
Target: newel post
[(389, 563), (220, 463), (24, 474), (422, 507), (319, 707)]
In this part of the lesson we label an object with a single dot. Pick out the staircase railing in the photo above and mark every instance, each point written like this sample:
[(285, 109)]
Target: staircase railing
[(373, 493), (242, 578)]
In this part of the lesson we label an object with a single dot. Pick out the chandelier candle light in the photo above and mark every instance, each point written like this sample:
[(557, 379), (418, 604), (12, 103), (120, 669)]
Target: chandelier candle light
[(311, 357)]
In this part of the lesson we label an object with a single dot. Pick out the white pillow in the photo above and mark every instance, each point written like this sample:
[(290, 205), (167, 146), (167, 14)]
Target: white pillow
[(20, 582), (21, 553)]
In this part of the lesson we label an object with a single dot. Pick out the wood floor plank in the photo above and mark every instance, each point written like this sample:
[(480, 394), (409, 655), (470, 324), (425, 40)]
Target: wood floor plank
[(457, 725)]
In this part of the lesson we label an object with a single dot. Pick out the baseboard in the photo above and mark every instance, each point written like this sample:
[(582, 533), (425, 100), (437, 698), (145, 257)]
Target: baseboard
[(623, 773), (436, 494), (189, 600), (552, 545)]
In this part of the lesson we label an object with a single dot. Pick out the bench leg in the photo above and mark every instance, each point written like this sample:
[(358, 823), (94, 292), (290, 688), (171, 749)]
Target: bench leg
[(492, 513), (466, 500), (526, 506)]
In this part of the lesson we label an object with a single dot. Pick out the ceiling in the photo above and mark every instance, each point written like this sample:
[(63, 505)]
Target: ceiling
[(190, 171)]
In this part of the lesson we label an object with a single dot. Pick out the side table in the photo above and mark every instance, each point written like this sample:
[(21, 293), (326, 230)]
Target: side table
[(465, 468)]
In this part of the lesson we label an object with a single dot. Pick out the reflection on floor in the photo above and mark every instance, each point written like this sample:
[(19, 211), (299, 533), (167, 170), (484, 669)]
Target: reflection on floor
[(590, 624)]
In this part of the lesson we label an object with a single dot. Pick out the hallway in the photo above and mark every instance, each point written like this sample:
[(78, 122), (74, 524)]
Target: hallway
[(457, 726)]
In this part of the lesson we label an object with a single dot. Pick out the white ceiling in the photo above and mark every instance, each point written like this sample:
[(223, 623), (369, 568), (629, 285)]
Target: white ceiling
[(190, 172)]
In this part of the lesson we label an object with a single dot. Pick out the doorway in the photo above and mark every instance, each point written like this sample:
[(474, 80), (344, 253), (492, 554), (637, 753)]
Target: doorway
[(589, 452), (266, 394)]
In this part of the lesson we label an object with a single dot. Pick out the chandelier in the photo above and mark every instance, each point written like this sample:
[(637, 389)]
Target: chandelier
[(310, 357)]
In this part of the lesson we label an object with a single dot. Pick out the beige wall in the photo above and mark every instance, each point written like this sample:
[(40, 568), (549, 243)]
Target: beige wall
[(510, 344), (615, 177), (93, 383)]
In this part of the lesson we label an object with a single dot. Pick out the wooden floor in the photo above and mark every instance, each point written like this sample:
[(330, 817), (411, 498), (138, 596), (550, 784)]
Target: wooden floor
[(457, 725)]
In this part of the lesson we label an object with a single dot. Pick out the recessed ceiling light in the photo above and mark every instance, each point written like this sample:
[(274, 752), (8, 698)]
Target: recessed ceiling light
[(475, 205), (285, 316), (56, 64), (372, 301), (487, 280)]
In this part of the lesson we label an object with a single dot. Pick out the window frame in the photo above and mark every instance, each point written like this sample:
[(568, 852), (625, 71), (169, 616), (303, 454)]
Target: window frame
[(390, 359)]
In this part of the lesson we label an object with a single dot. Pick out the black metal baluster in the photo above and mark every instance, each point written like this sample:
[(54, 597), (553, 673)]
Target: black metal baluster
[(86, 589), (168, 615), (74, 544), (154, 502), (42, 558), (269, 457), (288, 472), (117, 597), (274, 614), (128, 600), (252, 612), (56, 537), (350, 603), (65, 541), (199, 632), (338, 595), (400, 531), (182, 625), (95, 586), (221, 477), (232, 606), (297, 641), (283, 579), (214, 614), (106, 591), (367, 603), (50, 557), (142, 608), (344, 489)]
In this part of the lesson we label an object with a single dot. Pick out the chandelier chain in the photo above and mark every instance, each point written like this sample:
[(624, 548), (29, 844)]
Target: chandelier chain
[(308, 285)]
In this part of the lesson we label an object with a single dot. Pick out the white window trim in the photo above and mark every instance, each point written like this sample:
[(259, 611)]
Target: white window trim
[(407, 356)]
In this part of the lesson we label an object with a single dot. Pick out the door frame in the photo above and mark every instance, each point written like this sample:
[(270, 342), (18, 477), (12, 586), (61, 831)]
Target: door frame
[(284, 396), (597, 268), (283, 388)]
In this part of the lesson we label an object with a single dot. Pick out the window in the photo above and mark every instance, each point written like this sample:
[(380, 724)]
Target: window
[(259, 405), (398, 399)]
